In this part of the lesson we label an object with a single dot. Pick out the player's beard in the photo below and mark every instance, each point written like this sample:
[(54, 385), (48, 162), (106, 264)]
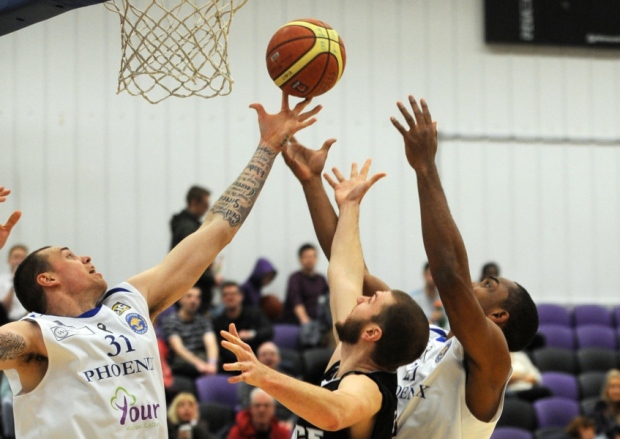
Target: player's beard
[(350, 331)]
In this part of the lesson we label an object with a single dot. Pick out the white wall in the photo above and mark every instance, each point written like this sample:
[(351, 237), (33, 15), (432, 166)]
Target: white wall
[(529, 153)]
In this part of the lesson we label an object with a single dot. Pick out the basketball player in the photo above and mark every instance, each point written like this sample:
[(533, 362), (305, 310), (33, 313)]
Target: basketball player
[(357, 398), (84, 363), (5, 230), (456, 388)]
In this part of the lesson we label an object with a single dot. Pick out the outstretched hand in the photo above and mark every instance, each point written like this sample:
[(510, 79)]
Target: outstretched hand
[(5, 230), (353, 189), (304, 162), (421, 137), (252, 370), (277, 129)]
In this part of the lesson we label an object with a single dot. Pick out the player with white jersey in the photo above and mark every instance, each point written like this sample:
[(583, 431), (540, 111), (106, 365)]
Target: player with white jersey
[(85, 363)]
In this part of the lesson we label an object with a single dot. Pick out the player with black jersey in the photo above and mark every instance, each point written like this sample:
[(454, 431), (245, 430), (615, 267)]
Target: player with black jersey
[(357, 396)]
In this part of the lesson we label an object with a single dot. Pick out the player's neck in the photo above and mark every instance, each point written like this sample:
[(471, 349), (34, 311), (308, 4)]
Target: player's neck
[(357, 357)]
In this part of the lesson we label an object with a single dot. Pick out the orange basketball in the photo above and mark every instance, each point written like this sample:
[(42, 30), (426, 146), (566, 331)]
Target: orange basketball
[(306, 57)]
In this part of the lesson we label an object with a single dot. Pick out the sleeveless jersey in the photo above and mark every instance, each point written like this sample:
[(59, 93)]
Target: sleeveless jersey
[(103, 377), (431, 395), (384, 420)]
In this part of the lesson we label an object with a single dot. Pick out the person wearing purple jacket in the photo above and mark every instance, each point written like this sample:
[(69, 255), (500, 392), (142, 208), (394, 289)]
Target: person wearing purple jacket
[(263, 274)]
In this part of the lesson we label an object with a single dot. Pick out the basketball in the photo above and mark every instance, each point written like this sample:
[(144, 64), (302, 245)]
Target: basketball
[(306, 57)]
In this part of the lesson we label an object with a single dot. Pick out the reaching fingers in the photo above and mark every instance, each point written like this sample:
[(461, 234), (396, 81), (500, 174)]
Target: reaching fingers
[(236, 379), (339, 175), (401, 129), (365, 168), (15, 216), (259, 109), (328, 144), (301, 105), (233, 330), (375, 178), (303, 116), (307, 123), (416, 109), (285, 101), (329, 179), (3, 193), (354, 171), (408, 117), (426, 113)]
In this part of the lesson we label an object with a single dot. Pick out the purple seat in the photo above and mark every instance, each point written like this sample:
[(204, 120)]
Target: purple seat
[(592, 315), (286, 336), (555, 411), (590, 336), (552, 313), (511, 433), (561, 384), (557, 336), (216, 388)]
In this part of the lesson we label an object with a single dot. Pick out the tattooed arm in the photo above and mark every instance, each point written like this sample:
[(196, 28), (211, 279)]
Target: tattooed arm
[(22, 348), (165, 283)]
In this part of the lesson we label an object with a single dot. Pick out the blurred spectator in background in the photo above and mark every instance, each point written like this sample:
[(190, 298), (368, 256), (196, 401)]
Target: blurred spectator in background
[(262, 275), (525, 382), (307, 299), (581, 428), (428, 299), (184, 419), (253, 326), (187, 222), (259, 420), (489, 269), (606, 412), (10, 303), (193, 349)]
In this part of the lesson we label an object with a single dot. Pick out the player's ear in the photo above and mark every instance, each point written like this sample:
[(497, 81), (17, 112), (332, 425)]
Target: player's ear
[(500, 316), (372, 332), (47, 279)]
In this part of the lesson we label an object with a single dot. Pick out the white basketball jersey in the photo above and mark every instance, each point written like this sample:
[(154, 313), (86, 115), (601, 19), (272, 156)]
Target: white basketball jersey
[(431, 395), (103, 378)]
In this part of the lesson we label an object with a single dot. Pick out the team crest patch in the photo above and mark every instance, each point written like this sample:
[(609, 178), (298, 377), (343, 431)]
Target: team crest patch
[(137, 323), (443, 352), (63, 332), (119, 308)]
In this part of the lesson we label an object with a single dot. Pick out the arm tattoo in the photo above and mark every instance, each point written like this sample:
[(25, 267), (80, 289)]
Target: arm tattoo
[(235, 204), (11, 346)]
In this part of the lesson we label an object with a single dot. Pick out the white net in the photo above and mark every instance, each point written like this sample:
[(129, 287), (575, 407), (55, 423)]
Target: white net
[(175, 47)]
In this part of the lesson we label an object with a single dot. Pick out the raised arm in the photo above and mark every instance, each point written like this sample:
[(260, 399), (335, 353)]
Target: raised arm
[(356, 400), (345, 273), (5, 229), (165, 283), (484, 343), (307, 165)]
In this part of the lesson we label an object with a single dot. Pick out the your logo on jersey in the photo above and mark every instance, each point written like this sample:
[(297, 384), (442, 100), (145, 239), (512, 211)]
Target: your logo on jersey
[(63, 332), (133, 414), (119, 308), (136, 323)]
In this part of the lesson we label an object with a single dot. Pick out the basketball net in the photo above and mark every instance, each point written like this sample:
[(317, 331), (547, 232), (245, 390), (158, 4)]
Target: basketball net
[(175, 47)]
